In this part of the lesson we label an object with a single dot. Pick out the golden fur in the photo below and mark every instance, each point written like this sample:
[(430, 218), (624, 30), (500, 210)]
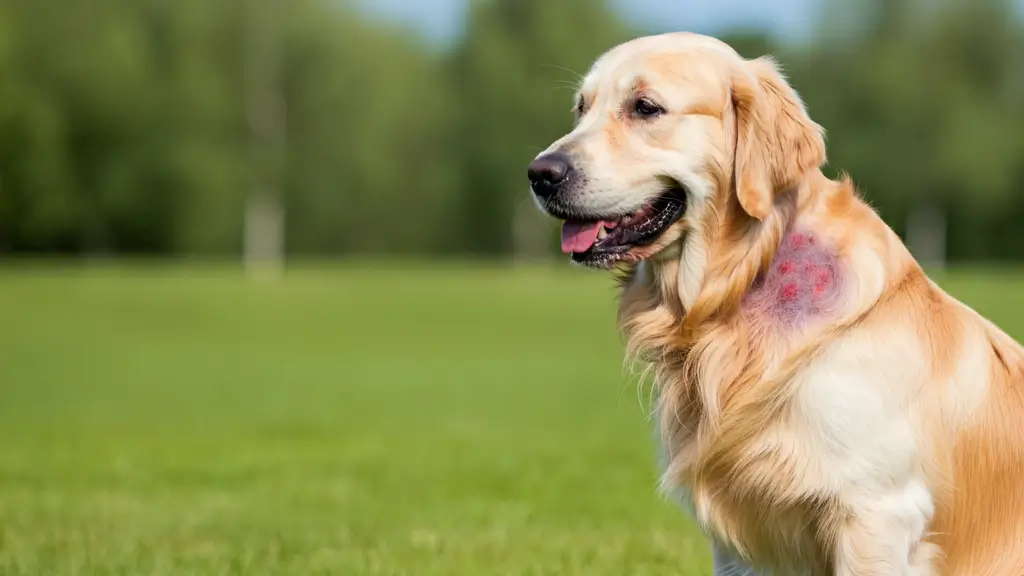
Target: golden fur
[(754, 442)]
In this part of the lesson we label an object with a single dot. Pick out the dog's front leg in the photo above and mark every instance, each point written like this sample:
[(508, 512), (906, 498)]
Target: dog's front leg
[(882, 546)]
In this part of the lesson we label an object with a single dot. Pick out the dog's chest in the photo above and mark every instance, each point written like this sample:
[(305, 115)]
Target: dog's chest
[(844, 441)]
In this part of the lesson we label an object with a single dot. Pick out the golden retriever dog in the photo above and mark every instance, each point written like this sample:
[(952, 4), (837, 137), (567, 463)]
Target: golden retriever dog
[(823, 406)]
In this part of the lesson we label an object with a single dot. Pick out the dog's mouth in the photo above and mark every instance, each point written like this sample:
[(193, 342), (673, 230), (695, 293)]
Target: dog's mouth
[(602, 242)]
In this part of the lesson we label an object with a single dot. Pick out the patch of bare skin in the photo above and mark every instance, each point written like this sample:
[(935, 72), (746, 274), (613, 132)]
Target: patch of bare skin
[(804, 282)]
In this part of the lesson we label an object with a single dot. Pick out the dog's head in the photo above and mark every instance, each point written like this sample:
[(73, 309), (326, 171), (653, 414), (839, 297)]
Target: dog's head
[(670, 130)]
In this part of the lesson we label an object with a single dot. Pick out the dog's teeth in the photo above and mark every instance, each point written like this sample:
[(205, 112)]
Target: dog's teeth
[(602, 233)]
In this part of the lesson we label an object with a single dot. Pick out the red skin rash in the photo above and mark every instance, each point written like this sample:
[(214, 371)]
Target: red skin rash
[(802, 283)]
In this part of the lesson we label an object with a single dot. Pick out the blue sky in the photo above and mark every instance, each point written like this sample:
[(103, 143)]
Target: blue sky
[(442, 19)]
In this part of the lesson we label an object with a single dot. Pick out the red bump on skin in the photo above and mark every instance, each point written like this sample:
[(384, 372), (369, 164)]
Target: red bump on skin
[(821, 283), (787, 267), (798, 239), (790, 291)]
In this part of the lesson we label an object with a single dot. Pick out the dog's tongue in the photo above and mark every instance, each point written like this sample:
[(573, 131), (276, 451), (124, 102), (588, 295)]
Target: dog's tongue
[(579, 236)]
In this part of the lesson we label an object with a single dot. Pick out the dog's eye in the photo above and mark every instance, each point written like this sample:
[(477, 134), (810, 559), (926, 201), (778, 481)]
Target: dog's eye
[(647, 108)]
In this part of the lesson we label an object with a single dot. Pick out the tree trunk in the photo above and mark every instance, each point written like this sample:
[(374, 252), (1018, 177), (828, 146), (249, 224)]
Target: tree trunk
[(531, 233), (265, 108), (926, 235)]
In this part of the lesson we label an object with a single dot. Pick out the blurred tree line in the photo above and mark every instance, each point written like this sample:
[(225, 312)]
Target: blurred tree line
[(134, 126)]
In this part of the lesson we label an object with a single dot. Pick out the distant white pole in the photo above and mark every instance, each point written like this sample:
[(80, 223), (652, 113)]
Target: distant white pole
[(265, 111), (926, 235)]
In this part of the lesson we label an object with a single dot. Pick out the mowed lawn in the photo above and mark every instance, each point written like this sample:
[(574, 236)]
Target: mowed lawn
[(412, 420)]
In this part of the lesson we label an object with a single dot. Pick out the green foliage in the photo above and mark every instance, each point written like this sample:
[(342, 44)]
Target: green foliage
[(514, 75), (923, 106), (367, 113), (124, 128)]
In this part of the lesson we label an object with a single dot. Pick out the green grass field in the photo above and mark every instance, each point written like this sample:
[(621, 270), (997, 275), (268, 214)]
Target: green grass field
[(415, 421)]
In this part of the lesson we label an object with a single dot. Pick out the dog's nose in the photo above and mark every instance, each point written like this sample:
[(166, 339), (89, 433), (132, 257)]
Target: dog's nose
[(547, 172)]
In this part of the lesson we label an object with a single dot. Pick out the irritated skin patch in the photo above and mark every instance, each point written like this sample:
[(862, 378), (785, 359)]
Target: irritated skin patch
[(802, 283)]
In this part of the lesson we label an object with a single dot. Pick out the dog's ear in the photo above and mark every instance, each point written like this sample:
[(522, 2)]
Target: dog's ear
[(777, 143)]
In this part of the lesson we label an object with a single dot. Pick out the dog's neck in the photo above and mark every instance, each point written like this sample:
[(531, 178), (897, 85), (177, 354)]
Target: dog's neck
[(792, 275), (802, 274)]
